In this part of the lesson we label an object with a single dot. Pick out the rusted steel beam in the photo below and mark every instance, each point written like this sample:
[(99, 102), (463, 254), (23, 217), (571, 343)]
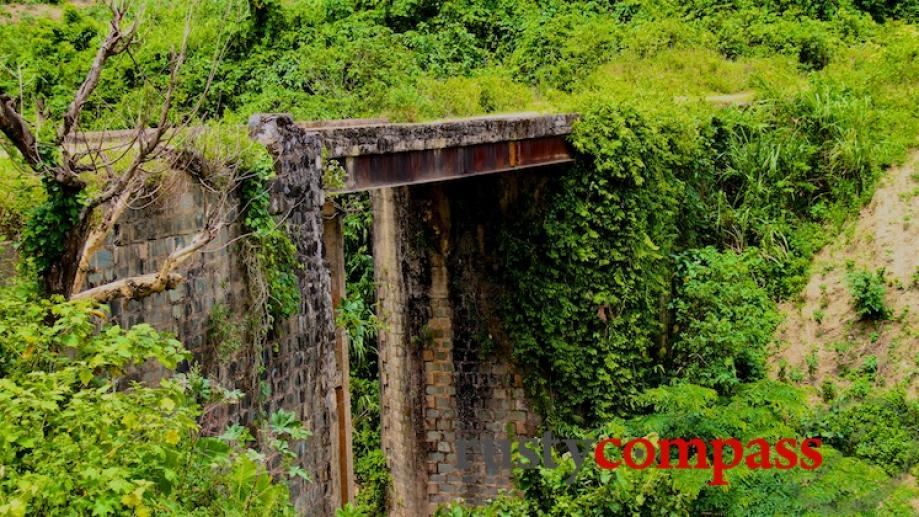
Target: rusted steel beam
[(371, 171)]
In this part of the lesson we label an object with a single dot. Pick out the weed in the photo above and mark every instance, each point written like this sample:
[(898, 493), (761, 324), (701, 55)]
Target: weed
[(827, 390), (818, 316), (813, 363), (867, 290)]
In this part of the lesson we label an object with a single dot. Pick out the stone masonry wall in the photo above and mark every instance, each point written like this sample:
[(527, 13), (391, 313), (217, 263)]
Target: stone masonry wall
[(146, 235), (298, 369), (304, 370), (446, 370)]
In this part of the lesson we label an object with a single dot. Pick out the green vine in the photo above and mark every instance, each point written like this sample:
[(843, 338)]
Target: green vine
[(589, 278), (272, 249), (44, 235)]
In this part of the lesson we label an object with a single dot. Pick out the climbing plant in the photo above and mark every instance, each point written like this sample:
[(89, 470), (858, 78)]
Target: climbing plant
[(267, 244), (44, 234), (592, 273)]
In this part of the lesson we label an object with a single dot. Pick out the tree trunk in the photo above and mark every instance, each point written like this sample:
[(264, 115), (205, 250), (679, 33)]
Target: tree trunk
[(60, 276)]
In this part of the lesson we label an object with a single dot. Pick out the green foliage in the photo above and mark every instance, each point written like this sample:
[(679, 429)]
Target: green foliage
[(356, 311), (589, 277), (224, 331), (44, 237), (273, 250), (356, 315), (868, 290), (77, 437), (570, 41), (652, 260), (763, 409), (888, 9), (788, 167), (882, 430), (373, 474), (723, 321), (19, 194), (828, 390)]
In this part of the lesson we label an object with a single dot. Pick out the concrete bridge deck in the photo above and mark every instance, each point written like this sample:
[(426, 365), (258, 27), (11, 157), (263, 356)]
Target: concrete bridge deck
[(379, 154)]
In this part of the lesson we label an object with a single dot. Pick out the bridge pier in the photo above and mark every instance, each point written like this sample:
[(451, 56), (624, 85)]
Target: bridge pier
[(446, 379), (400, 373)]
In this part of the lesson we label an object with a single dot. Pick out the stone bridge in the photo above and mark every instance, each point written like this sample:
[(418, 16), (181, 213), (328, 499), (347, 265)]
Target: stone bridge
[(437, 200), (440, 193)]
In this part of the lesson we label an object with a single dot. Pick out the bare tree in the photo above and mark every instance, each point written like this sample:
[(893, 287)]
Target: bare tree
[(73, 154)]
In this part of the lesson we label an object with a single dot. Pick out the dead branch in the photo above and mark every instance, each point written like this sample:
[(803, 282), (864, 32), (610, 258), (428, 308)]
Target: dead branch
[(138, 287), (149, 142), (116, 42), (123, 187), (126, 187), (17, 130)]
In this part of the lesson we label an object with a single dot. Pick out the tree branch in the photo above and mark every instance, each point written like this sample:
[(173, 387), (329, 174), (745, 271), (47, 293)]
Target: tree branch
[(148, 145), (96, 237), (133, 288), (115, 42), (17, 130), (122, 190), (138, 287)]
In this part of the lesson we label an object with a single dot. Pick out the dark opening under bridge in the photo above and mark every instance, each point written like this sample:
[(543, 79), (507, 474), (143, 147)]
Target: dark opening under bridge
[(432, 244)]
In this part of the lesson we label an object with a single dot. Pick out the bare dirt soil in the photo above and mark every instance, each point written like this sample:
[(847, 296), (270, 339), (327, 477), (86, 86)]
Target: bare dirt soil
[(15, 11), (822, 336)]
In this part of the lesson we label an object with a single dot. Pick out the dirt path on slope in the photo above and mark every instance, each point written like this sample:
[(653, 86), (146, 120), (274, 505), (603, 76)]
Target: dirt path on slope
[(823, 338)]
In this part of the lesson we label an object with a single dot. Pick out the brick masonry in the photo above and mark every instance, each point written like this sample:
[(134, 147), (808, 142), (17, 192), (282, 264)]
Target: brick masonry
[(446, 369)]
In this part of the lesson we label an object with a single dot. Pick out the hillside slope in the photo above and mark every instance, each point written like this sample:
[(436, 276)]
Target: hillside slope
[(823, 337)]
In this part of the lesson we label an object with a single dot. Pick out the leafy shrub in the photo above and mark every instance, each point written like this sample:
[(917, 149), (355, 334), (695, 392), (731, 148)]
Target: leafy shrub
[(816, 51), (569, 44), (374, 477), (77, 437), (882, 430), (828, 390), (722, 320), (884, 9), (867, 290)]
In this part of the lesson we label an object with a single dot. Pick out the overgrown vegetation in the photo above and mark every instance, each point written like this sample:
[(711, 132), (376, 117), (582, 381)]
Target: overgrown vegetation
[(764, 409), (356, 315), (271, 247), (657, 260), (76, 435), (591, 279)]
